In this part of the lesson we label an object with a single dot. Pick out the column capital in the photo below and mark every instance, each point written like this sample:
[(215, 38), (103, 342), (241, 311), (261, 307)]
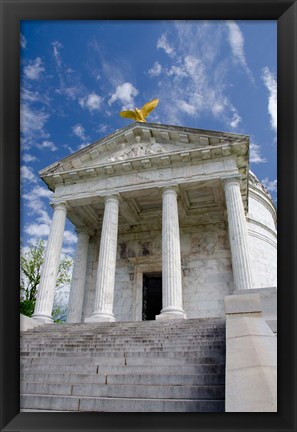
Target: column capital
[(170, 189), (84, 230), (235, 178), (60, 206), (113, 197)]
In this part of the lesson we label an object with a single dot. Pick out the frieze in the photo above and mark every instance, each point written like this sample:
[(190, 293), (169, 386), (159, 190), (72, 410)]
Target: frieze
[(139, 180)]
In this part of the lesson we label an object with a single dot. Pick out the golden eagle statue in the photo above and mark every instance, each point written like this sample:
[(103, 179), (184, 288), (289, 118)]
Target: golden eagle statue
[(139, 115)]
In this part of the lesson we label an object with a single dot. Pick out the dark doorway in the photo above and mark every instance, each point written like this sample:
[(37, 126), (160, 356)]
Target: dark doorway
[(151, 296)]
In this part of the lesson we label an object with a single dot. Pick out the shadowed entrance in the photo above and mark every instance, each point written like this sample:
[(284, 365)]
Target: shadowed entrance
[(151, 296)]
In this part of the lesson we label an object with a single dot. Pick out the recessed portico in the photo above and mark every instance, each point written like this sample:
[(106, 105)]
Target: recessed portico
[(136, 200)]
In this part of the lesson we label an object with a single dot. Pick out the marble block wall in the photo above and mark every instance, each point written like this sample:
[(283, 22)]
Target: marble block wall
[(206, 270), (262, 238)]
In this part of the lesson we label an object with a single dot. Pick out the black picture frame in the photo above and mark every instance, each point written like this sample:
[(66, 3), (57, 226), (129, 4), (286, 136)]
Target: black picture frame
[(12, 12)]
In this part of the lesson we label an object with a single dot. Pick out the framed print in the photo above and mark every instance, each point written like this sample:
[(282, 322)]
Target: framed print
[(113, 158)]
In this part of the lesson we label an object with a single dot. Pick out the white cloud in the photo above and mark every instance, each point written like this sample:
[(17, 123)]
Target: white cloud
[(27, 174), (217, 108), (155, 70), (125, 93), (23, 41), (43, 217), (236, 119), (34, 69), (163, 44), (236, 41), (69, 237), (39, 191), (56, 46), (186, 107), (37, 230), (255, 156), (269, 185), (28, 158), (194, 65), (32, 120), (30, 96), (91, 102), (67, 251), (34, 201), (70, 92), (102, 129), (177, 70), (80, 146), (47, 145), (197, 77), (79, 131), (271, 85)]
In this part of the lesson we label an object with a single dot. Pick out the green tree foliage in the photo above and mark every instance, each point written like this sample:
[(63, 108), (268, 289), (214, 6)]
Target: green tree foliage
[(31, 264)]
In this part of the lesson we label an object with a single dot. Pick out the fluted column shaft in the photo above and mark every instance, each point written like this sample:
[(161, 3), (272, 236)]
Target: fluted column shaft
[(238, 235), (50, 268), (171, 258), (107, 263), (76, 296)]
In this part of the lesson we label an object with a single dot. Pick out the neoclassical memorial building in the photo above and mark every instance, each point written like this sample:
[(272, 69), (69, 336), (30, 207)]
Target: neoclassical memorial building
[(169, 222)]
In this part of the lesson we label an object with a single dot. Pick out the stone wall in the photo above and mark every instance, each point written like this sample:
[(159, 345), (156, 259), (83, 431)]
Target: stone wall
[(262, 237), (206, 270)]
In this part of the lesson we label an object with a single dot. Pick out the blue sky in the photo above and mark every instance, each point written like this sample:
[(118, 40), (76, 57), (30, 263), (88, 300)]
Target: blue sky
[(76, 76)]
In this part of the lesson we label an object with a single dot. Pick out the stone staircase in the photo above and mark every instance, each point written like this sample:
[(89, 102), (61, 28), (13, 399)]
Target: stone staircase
[(145, 366)]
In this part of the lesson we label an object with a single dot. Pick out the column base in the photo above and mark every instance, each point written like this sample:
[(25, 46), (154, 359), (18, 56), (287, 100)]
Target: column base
[(171, 314), (46, 319), (100, 317)]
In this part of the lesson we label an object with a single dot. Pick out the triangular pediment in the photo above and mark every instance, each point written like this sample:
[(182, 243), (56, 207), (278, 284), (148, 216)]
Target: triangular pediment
[(138, 149), (139, 140), (142, 147)]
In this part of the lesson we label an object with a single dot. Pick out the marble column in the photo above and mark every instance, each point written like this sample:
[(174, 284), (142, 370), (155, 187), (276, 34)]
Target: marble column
[(171, 259), (50, 268), (238, 235), (107, 263), (76, 296)]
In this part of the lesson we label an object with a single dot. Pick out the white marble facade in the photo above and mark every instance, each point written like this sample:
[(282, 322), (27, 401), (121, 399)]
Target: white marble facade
[(155, 199)]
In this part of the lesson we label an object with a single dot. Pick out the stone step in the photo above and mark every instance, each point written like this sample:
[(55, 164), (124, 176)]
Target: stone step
[(176, 366), (119, 333), (138, 326), (196, 322), (144, 379), (120, 344), (129, 391), (108, 368), (127, 348), (118, 338), (103, 354), (122, 360), (112, 338), (74, 403)]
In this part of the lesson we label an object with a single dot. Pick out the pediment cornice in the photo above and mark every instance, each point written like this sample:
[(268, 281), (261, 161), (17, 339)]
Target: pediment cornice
[(146, 146)]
